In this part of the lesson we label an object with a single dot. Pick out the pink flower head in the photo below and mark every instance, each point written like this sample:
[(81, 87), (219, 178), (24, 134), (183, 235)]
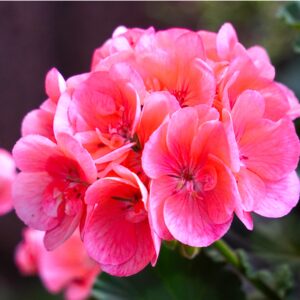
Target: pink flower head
[(117, 232), (101, 112), (7, 176), (66, 268), (40, 121), (193, 193), (48, 193), (269, 152)]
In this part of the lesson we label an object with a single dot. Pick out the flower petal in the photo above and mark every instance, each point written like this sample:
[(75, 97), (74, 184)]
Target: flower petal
[(28, 195), (281, 196), (189, 223)]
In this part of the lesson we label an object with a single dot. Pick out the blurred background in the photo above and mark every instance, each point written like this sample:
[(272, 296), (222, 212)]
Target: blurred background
[(37, 36)]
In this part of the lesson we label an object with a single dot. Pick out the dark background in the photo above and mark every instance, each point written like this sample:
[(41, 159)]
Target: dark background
[(37, 36)]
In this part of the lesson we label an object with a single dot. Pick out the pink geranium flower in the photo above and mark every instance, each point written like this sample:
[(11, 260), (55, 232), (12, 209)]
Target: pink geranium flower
[(193, 192), (67, 268), (101, 112), (117, 232), (269, 153), (48, 194), (7, 176)]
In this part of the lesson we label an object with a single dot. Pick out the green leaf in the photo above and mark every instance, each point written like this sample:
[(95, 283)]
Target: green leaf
[(174, 278), (290, 13)]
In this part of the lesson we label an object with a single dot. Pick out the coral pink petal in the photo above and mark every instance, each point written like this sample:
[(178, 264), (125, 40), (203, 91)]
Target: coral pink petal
[(281, 196), (160, 189), (54, 84), (28, 195), (248, 108), (143, 255), (195, 48), (221, 200), (226, 40), (270, 149), (189, 223), (232, 143), (158, 105), (39, 122), (212, 138), (252, 189), (294, 111), (277, 104), (108, 237), (181, 131), (262, 62), (115, 154), (201, 84), (61, 121), (32, 152), (245, 217), (58, 235), (72, 149), (156, 158)]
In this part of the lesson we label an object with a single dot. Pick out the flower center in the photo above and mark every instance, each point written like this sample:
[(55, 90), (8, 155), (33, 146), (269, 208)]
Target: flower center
[(134, 208), (180, 95)]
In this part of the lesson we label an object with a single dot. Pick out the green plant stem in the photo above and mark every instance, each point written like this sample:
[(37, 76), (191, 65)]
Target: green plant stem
[(232, 258)]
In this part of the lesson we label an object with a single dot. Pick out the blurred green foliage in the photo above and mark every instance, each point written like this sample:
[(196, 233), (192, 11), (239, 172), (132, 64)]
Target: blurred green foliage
[(174, 278), (255, 22)]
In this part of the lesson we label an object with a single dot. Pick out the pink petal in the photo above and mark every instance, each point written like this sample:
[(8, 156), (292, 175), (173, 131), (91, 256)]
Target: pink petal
[(32, 152), (245, 218), (270, 149), (28, 195), (248, 108), (160, 189), (277, 105), (226, 40), (114, 154), (143, 255), (61, 121), (158, 105), (201, 84), (281, 196), (294, 111), (39, 122), (156, 159), (72, 149), (108, 237), (252, 189), (222, 199), (54, 84), (59, 234), (189, 223), (195, 48), (181, 131), (262, 61)]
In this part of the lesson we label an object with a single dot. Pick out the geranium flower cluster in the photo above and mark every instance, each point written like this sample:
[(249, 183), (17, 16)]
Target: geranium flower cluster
[(168, 136)]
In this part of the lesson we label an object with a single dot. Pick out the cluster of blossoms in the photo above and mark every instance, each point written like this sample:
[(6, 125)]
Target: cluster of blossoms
[(168, 136)]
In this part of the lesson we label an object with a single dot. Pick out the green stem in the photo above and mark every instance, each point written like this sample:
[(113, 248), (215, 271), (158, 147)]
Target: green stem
[(228, 253), (231, 257)]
